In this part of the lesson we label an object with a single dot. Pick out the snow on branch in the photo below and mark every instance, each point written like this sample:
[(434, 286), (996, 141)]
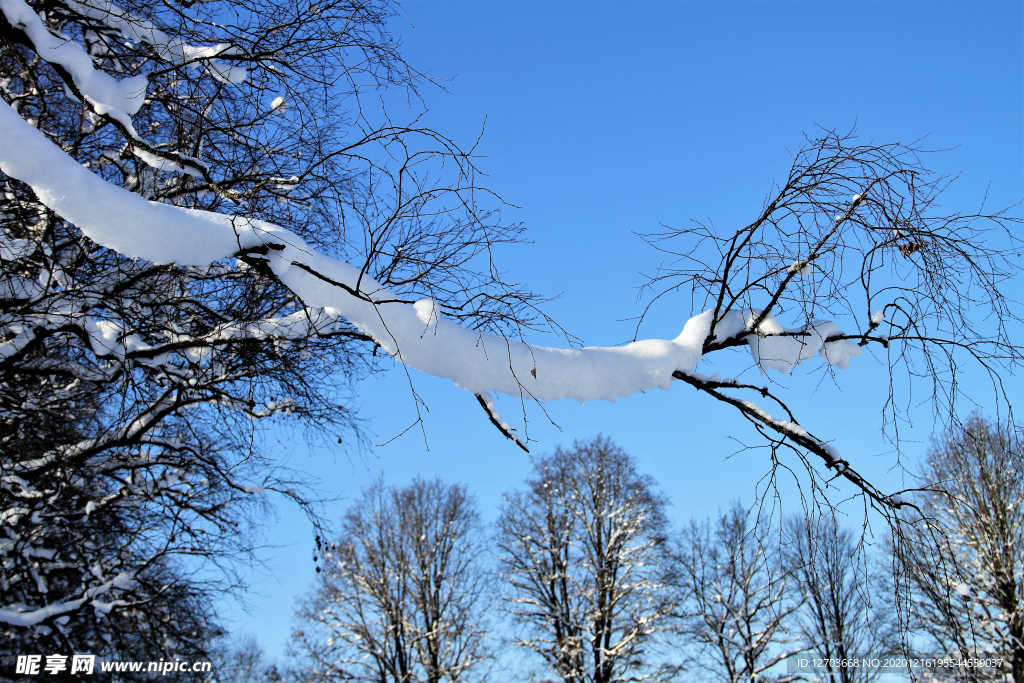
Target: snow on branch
[(172, 49), (18, 617), (788, 429), (487, 402), (412, 332), (106, 96), (119, 99)]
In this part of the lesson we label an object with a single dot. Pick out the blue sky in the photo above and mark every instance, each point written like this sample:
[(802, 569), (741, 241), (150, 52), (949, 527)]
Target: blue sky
[(609, 118)]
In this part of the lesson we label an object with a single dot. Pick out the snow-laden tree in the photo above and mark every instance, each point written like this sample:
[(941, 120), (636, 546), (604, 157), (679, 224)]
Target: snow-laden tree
[(736, 604), (122, 472), (962, 565), (846, 613), (402, 595), (584, 565), (132, 385)]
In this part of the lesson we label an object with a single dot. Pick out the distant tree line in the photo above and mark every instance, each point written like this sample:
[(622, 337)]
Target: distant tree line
[(583, 573)]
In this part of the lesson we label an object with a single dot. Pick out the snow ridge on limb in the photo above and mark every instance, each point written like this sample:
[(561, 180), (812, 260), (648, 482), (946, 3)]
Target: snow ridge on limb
[(412, 332), (174, 50), (487, 401)]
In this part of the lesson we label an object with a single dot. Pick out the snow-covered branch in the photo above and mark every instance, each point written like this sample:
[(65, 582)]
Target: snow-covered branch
[(415, 333)]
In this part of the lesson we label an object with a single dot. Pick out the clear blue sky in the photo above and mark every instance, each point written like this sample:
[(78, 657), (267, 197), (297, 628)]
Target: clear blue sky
[(605, 118)]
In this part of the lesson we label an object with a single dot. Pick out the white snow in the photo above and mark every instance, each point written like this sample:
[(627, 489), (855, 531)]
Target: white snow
[(161, 164), (877, 318), (122, 580), (119, 99), (138, 30), (115, 216), (782, 349), (796, 267), (20, 615)]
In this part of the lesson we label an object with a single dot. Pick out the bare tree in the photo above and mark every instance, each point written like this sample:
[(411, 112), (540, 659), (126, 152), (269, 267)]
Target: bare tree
[(736, 602), (846, 614), (963, 564), (585, 565), (402, 595)]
